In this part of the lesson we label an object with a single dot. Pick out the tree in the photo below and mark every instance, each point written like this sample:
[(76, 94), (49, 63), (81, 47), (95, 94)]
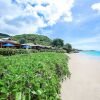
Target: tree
[(22, 41), (68, 47), (57, 43), (33, 38)]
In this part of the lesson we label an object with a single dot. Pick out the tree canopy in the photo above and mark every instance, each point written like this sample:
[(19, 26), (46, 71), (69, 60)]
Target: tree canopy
[(2, 35), (57, 43), (68, 47), (22, 41), (33, 38)]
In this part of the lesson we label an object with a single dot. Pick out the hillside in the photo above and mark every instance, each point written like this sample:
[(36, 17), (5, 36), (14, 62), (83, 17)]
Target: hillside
[(29, 38), (33, 38), (2, 35)]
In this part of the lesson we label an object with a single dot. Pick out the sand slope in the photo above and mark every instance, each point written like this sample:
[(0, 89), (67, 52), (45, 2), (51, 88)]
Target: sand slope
[(84, 83)]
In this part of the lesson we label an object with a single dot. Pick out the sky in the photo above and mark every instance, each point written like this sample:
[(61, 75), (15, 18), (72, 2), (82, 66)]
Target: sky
[(75, 21)]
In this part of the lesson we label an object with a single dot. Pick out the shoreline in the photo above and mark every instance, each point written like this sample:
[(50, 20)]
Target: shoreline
[(92, 57), (84, 83)]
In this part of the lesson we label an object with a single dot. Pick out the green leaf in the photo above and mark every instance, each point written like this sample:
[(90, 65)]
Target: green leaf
[(39, 92)]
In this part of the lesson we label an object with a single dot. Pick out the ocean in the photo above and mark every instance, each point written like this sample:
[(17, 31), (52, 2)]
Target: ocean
[(91, 53)]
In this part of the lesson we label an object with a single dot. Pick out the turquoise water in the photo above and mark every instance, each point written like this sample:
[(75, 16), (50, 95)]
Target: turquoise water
[(91, 53)]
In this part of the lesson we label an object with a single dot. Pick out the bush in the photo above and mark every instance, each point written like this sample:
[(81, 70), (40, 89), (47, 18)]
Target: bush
[(68, 47), (32, 77), (10, 51)]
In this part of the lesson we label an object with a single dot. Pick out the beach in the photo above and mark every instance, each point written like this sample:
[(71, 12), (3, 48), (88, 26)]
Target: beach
[(84, 83)]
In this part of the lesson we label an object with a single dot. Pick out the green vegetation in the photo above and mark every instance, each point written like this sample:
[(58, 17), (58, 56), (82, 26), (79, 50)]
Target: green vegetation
[(22, 41), (32, 76), (33, 38), (58, 43), (10, 51), (2, 35), (35, 74), (68, 48)]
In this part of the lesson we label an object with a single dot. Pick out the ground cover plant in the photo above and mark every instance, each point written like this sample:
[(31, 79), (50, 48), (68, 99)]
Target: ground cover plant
[(11, 51), (34, 76)]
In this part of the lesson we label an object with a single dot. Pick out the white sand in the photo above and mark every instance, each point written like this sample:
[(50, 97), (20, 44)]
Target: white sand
[(84, 83)]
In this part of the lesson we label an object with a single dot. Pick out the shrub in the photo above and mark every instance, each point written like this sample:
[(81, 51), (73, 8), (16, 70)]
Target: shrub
[(10, 51), (68, 48), (32, 76)]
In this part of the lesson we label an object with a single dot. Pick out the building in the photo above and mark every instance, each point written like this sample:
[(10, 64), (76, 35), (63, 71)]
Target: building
[(8, 42), (33, 46)]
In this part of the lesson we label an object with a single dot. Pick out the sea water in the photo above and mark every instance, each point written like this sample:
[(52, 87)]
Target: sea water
[(91, 53)]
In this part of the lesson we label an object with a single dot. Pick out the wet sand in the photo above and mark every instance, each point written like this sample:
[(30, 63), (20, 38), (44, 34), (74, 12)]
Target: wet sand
[(84, 83)]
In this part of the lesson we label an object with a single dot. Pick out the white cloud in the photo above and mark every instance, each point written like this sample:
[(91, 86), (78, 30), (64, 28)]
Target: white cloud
[(33, 14), (87, 47), (96, 6), (88, 40), (88, 43)]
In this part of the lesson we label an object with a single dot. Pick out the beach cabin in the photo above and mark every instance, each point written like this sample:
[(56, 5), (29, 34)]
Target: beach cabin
[(24, 46), (27, 46), (33, 46), (9, 42), (39, 47)]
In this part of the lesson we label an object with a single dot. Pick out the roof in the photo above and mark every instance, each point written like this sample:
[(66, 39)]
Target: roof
[(11, 41), (29, 44), (6, 38), (40, 45), (37, 45)]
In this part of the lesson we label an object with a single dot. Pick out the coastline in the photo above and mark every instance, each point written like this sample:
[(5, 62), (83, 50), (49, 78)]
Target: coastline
[(84, 83), (95, 57)]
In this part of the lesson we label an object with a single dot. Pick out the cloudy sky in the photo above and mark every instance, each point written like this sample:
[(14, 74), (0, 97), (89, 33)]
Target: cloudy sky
[(75, 21)]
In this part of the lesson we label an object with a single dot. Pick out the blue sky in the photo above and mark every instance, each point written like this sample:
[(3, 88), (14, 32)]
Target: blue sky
[(75, 21)]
